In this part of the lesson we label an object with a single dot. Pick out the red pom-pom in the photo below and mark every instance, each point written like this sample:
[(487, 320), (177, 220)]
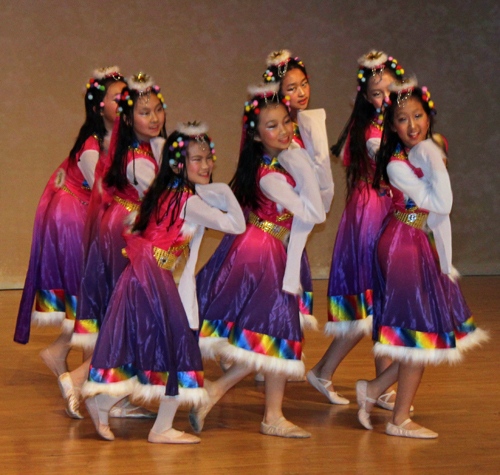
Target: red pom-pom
[(257, 110)]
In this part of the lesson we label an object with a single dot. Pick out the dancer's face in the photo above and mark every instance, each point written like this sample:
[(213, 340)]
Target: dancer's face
[(378, 89), (411, 122), (275, 129), (296, 86), (149, 117), (108, 112), (199, 163)]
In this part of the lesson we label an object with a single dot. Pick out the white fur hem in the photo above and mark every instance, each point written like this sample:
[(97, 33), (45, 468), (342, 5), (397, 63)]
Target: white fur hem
[(210, 346), (474, 338), (351, 328), (308, 322), (68, 326), (267, 364), (84, 341), (153, 393), (418, 355), (48, 318), (121, 389)]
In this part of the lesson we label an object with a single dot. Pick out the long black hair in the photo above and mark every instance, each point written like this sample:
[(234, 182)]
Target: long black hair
[(390, 138), (362, 114), (244, 182), (126, 137), (171, 180), (94, 122)]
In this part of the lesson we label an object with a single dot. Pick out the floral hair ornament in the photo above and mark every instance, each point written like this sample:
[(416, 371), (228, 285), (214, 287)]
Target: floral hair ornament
[(98, 76), (187, 132), (375, 63), (264, 91), (404, 89)]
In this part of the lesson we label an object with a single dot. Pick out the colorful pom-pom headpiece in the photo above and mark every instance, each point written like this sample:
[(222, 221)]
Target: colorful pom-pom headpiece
[(373, 64), (266, 92), (143, 85), (405, 89), (96, 87), (188, 132), (277, 65)]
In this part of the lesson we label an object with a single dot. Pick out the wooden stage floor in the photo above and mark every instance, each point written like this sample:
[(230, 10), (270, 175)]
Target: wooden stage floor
[(461, 403)]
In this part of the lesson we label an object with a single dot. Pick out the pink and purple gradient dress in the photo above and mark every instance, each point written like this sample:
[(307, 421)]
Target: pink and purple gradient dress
[(420, 314), (56, 258), (104, 261), (246, 314), (350, 286), (146, 346)]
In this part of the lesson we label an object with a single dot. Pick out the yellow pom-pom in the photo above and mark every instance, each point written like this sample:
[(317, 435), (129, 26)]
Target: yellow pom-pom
[(130, 102), (247, 108), (431, 104), (287, 98), (214, 158), (428, 94), (88, 86), (402, 71), (159, 96), (394, 61), (175, 145), (360, 75)]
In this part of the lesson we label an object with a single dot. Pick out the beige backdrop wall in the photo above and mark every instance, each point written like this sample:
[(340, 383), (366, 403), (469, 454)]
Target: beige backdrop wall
[(204, 53)]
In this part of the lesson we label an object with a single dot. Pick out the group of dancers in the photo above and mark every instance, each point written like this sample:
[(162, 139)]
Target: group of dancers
[(131, 201)]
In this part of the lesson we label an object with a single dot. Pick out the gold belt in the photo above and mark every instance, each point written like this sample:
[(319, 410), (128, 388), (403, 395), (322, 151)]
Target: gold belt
[(167, 259), (275, 230), (67, 190), (413, 218), (127, 204)]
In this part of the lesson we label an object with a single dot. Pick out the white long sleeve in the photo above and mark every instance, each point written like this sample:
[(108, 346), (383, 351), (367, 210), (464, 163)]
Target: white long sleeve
[(144, 174), (312, 128), (87, 163), (304, 201), (372, 146), (216, 207)]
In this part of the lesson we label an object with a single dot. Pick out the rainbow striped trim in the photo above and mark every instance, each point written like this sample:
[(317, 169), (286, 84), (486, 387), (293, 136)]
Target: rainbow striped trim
[(71, 303), (112, 375), (349, 308), (397, 336), (187, 379), (306, 303), (89, 325), (465, 328), (50, 301), (265, 344), (216, 328)]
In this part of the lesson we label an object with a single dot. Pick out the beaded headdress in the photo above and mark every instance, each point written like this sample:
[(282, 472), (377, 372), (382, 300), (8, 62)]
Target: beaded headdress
[(405, 89), (187, 132), (142, 84), (373, 65), (96, 86), (268, 92), (277, 64)]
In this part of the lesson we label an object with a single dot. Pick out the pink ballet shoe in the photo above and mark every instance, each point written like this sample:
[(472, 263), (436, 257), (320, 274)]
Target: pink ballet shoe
[(197, 416), (383, 401), (102, 429), (172, 436), (362, 399), (400, 431), (322, 386), (281, 429), (70, 395)]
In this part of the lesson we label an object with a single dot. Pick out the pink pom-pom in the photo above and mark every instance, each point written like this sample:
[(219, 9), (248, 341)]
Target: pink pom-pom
[(157, 88), (359, 88), (255, 103), (270, 73), (101, 104), (390, 58), (424, 89), (181, 144)]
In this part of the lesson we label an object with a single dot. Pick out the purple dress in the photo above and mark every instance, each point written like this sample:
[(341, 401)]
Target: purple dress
[(56, 258), (420, 314), (105, 261), (246, 316), (145, 346)]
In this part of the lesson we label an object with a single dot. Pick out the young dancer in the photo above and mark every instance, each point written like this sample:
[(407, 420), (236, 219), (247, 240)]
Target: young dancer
[(253, 317), (57, 251), (420, 315), (146, 346), (135, 153), (350, 285)]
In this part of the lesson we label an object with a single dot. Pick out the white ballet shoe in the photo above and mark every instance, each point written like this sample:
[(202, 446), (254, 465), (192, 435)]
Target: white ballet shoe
[(322, 386), (400, 431), (172, 436), (71, 396), (383, 401), (362, 399), (281, 429), (102, 429)]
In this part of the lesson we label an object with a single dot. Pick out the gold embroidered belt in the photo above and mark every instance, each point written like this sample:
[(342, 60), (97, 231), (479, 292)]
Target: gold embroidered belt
[(412, 218), (127, 204), (275, 230), (167, 259), (67, 190)]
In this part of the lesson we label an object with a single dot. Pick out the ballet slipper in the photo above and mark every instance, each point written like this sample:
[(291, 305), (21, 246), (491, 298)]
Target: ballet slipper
[(281, 429), (400, 431), (322, 386), (131, 411), (172, 436), (102, 429), (71, 396), (362, 399), (197, 416), (383, 401)]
